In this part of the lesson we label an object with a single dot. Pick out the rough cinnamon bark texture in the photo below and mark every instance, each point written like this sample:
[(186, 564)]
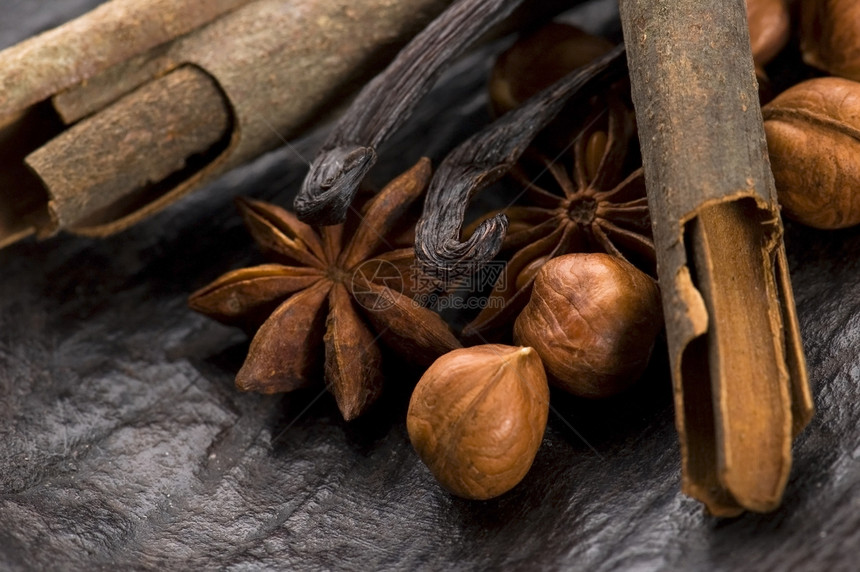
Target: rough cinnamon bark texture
[(111, 162), (98, 92), (281, 65), (39, 67), (740, 383)]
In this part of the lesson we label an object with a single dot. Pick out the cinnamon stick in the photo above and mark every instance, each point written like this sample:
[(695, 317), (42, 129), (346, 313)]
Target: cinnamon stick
[(168, 122), (99, 91), (279, 65), (113, 32), (741, 389)]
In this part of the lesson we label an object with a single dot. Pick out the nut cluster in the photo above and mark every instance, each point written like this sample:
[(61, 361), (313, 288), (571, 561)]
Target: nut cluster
[(813, 127)]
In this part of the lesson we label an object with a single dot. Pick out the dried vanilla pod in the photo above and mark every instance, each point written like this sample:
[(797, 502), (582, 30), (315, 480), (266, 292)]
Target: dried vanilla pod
[(830, 36), (593, 319), (586, 196), (813, 138), (328, 294), (483, 159), (385, 103), (477, 418)]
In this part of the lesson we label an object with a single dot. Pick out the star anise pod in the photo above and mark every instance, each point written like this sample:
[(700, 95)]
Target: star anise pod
[(330, 295), (589, 200)]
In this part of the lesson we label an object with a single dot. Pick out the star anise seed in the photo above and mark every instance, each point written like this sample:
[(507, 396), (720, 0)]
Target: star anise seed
[(328, 297), (579, 202)]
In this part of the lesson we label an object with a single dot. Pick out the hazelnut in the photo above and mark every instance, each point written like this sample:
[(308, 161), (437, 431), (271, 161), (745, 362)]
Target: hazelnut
[(477, 418), (592, 318), (830, 36), (813, 137), (540, 59), (770, 27)]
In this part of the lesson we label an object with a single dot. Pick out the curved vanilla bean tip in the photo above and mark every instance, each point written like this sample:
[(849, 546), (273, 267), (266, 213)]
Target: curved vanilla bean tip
[(332, 183), (386, 103), (482, 160), (453, 259)]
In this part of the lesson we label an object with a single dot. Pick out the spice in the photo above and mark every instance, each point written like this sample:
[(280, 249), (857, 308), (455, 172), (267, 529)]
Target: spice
[(477, 418), (585, 200), (741, 391), (116, 30), (386, 103), (273, 68), (770, 26), (539, 59), (483, 159), (830, 36), (176, 122), (328, 292), (592, 319), (813, 136)]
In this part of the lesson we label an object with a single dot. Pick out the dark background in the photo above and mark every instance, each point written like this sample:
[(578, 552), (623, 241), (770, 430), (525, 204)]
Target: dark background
[(123, 443)]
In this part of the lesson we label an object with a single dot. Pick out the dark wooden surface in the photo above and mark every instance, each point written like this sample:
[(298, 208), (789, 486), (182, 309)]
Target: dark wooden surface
[(123, 443)]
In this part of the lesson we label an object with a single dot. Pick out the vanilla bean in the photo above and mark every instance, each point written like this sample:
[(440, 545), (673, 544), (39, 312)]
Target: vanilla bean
[(482, 160), (385, 103)]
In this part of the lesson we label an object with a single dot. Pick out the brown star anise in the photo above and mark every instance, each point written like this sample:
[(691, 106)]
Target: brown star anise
[(326, 294), (589, 200)]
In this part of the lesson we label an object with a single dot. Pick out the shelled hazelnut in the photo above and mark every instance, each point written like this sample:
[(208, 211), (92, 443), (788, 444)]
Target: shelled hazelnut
[(813, 138), (477, 418), (593, 319)]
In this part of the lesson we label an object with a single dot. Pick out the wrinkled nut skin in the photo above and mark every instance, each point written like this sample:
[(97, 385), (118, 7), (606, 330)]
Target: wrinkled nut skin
[(770, 27), (477, 418), (593, 319), (813, 138), (830, 36)]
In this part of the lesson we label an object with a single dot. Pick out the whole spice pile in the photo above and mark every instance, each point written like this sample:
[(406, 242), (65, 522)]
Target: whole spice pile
[(317, 309), (578, 306)]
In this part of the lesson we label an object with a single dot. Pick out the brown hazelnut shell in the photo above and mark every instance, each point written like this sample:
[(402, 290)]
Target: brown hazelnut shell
[(477, 418), (830, 36), (813, 137), (770, 27), (593, 319), (538, 60)]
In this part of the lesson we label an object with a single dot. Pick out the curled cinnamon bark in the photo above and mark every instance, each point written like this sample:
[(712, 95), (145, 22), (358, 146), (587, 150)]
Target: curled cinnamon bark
[(741, 389)]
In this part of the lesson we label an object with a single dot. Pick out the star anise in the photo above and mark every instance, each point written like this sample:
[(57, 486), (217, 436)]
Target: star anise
[(590, 200), (330, 295)]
